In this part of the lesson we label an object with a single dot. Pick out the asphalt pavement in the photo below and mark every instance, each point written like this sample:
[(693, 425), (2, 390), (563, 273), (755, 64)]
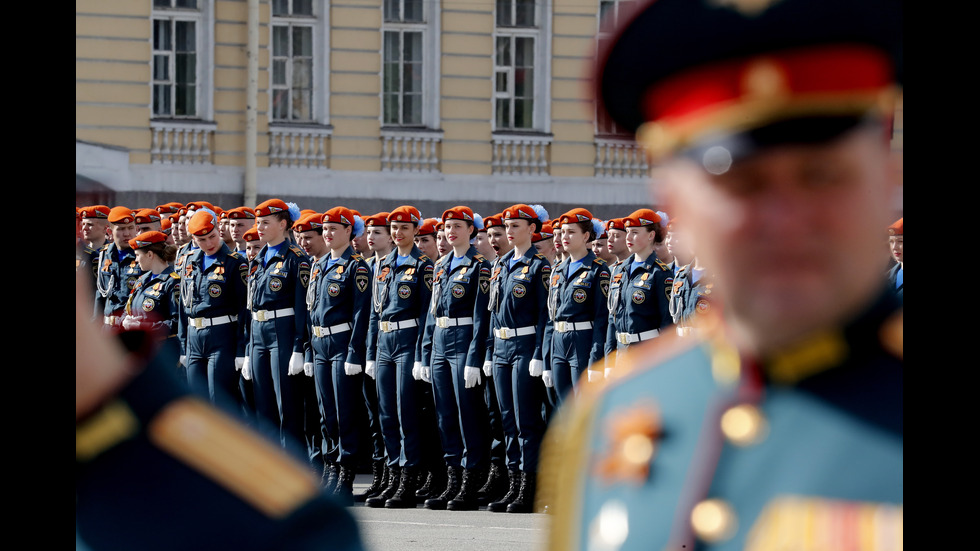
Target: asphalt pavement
[(422, 529)]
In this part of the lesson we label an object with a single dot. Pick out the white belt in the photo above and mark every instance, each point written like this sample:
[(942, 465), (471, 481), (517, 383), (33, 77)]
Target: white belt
[(453, 322), (508, 333), (114, 321), (200, 323), (266, 315), (630, 338), (332, 330), (389, 326), (566, 326)]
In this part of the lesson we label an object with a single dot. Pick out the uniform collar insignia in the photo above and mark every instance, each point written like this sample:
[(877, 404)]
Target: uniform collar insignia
[(632, 445), (818, 352)]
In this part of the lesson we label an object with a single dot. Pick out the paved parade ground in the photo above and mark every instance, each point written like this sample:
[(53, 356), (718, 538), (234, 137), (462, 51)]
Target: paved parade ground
[(421, 529)]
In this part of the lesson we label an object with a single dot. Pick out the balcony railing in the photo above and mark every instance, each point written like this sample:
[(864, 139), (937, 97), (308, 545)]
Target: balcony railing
[(620, 158), (410, 150), (299, 146), (521, 155), (182, 143)]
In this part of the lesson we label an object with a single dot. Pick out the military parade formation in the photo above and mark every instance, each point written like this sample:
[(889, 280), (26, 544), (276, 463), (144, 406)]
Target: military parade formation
[(722, 370)]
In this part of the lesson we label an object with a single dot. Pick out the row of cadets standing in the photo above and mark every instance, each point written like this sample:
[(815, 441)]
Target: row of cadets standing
[(457, 325), (339, 298), (400, 304)]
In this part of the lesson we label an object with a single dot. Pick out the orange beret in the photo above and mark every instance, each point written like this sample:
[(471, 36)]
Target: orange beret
[(95, 211), (169, 208), (197, 205), (615, 224), (251, 234), (379, 219), (405, 213), (166, 226), (121, 215), (240, 213), (147, 216), (428, 227), (202, 223), (898, 228), (339, 215), (546, 233), (641, 218), (520, 211), (575, 215), (146, 239), (458, 213), (494, 220), (308, 222), (272, 206)]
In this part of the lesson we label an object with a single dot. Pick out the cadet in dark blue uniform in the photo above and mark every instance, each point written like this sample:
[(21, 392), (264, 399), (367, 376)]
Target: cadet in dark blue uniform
[(783, 427), (157, 468), (394, 354), (896, 244), (213, 310), (118, 269), (519, 301), (277, 300), (453, 348), (93, 225), (639, 289), (154, 304), (339, 301), (577, 305)]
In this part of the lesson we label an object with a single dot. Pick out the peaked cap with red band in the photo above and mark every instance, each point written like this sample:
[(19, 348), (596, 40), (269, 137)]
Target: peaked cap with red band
[(683, 72), (146, 239), (271, 206), (339, 215)]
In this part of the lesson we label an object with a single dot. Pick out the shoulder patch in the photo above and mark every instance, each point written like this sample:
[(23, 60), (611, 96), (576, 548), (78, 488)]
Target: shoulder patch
[(244, 464), (427, 268)]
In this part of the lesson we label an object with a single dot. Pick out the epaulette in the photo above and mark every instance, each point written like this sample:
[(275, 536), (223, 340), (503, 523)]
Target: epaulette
[(539, 255), (442, 260), (356, 256), (663, 266), (423, 257), (296, 250), (236, 255), (478, 257), (599, 261), (175, 275)]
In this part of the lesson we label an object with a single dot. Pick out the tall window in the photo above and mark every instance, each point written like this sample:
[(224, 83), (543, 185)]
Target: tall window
[(611, 14), (293, 24), (519, 65), (403, 55), (176, 58)]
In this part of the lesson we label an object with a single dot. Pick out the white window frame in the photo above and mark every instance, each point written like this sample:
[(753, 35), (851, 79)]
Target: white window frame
[(320, 23), (541, 32), (430, 27), (203, 16), (616, 133)]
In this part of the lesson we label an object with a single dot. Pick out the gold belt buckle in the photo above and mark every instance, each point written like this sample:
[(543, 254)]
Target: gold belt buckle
[(260, 315), (198, 323), (386, 327), (560, 326), (623, 338), (504, 333), (442, 322), (317, 331)]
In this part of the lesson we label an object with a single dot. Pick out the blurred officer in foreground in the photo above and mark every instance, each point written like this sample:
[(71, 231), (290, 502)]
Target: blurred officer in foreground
[(783, 426), (896, 244), (215, 484)]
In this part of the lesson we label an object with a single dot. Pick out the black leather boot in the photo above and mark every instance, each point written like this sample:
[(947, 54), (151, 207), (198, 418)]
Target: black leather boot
[(344, 490), (495, 486), (524, 502), (514, 486), (394, 477), (466, 499), (378, 483), (453, 484), (329, 478), (405, 498)]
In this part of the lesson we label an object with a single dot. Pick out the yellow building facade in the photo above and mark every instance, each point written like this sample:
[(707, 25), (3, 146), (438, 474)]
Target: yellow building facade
[(366, 103)]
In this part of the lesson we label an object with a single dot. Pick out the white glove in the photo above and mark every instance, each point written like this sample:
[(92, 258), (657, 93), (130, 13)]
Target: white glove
[(308, 369), (417, 371), (352, 369), (549, 381), (247, 369), (183, 360), (608, 372), (239, 362), (426, 373), (369, 369), (594, 375), (129, 323), (472, 376), (487, 368), (536, 367), (295, 364)]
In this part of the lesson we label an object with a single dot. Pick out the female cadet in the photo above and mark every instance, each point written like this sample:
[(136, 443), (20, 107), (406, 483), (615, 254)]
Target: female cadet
[(339, 299), (518, 301), (455, 332), (154, 302), (394, 354), (277, 302), (212, 291), (577, 304), (640, 287)]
